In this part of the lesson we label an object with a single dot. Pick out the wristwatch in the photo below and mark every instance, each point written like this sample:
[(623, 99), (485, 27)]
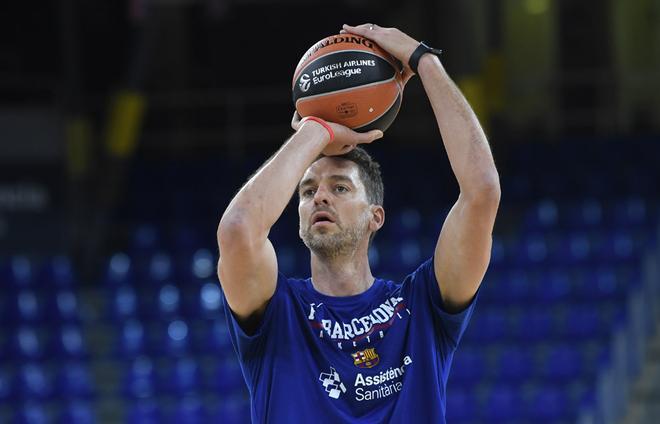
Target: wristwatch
[(421, 50)]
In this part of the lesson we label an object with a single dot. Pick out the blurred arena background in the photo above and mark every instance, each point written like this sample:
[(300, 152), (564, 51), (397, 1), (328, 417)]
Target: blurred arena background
[(126, 127)]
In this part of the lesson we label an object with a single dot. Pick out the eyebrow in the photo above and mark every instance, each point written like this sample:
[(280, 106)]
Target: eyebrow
[(336, 177)]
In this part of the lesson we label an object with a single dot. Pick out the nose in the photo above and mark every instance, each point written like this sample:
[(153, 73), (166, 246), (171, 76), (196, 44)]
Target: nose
[(321, 196)]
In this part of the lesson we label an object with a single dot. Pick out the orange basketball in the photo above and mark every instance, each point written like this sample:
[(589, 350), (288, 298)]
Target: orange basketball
[(350, 80)]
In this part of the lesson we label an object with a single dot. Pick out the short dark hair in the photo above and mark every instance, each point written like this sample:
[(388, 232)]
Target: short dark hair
[(369, 171)]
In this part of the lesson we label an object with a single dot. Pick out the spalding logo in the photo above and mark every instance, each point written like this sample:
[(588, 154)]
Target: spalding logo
[(304, 82)]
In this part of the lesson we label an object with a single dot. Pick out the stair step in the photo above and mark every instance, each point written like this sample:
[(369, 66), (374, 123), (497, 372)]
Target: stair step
[(644, 406)]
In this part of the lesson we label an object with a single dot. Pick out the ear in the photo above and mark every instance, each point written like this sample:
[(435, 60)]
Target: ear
[(377, 218)]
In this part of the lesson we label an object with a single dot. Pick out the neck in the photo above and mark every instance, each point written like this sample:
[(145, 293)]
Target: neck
[(343, 275)]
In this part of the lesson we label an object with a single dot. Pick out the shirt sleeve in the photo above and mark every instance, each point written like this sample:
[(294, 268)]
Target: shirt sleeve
[(250, 347), (426, 294)]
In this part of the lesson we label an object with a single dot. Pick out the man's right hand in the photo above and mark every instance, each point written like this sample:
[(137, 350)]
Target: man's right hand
[(345, 138)]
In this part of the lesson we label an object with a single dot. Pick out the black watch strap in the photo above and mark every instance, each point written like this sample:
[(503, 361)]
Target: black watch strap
[(418, 53)]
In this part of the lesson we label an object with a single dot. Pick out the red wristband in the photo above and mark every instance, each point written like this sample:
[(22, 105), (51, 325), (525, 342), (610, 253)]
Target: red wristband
[(322, 122)]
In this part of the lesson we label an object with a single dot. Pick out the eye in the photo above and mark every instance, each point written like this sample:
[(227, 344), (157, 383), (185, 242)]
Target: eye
[(341, 189), (309, 192)]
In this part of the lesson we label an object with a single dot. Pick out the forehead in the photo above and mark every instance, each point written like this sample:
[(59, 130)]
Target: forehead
[(327, 167)]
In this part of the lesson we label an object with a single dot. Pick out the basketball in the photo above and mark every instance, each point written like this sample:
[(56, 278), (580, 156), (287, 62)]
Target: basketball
[(349, 80)]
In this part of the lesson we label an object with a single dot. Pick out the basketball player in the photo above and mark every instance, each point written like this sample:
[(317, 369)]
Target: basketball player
[(344, 346)]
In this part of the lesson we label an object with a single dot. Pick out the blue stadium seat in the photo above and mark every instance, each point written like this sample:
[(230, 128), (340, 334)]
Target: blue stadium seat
[(490, 325), (600, 284), (74, 381), (183, 377), (31, 412), (139, 379), (123, 303), (287, 260), (500, 254), (514, 364), (57, 272), (146, 239), (226, 377), (469, 366), (403, 256), (27, 344), (411, 253), (619, 247), (159, 269), (6, 386), (215, 338), (63, 307), (543, 216), (119, 270), (232, 410), (554, 286), (144, 412), (533, 250), (512, 287), (461, 405), (131, 340), (185, 238), (406, 223), (560, 363), (209, 301), (202, 265), (173, 339), (191, 410), (584, 215), (169, 302), (575, 248), (631, 212), (68, 343), (536, 324), (77, 412), (548, 405), (33, 382), (375, 257), (583, 321), (502, 404), (27, 307), (18, 273)]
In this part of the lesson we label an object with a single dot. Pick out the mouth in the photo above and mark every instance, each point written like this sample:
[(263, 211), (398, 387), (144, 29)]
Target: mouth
[(321, 218)]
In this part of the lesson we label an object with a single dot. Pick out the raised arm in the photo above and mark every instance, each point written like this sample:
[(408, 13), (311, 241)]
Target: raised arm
[(247, 267), (462, 252)]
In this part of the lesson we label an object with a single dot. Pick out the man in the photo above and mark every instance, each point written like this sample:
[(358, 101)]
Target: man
[(344, 346)]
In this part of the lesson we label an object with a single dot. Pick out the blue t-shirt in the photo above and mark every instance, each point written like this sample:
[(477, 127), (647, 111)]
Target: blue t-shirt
[(381, 356)]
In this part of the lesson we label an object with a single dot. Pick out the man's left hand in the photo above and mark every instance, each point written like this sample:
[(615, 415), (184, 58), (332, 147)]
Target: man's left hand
[(395, 42)]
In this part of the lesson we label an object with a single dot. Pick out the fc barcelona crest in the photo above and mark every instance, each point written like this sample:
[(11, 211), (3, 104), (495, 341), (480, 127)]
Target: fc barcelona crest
[(367, 358)]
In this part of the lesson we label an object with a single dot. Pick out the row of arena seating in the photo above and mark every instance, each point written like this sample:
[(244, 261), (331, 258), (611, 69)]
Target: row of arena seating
[(585, 289), (629, 213), (143, 377), (566, 323)]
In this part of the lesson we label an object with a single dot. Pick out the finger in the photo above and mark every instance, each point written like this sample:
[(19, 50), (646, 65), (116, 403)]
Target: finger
[(365, 30), (407, 74), (368, 137), (295, 121)]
